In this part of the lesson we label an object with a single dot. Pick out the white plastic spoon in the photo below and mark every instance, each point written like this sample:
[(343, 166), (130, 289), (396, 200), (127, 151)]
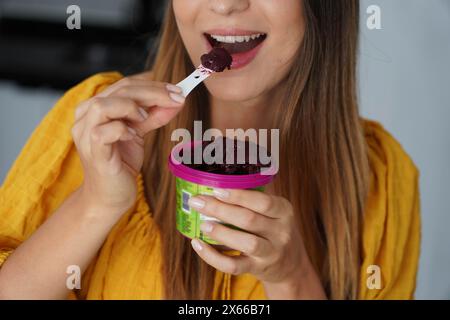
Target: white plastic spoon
[(194, 79), (217, 60)]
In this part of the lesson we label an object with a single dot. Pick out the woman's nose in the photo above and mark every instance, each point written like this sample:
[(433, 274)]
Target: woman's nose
[(227, 7)]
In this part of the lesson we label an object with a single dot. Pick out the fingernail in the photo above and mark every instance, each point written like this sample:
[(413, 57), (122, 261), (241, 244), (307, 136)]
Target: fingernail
[(176, 97), (196, 245), (206, 227), (132, 131), (196, 203), (173, 88), (221, 193), (143, 113)]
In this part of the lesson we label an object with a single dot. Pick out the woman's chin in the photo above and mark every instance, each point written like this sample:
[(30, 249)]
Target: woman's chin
[(231, 93)]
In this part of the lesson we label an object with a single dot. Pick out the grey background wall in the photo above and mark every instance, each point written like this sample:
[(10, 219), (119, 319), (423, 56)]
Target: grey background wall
[(404, 83)]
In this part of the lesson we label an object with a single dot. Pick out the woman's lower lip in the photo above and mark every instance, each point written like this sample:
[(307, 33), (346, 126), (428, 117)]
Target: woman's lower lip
[(241, 59)]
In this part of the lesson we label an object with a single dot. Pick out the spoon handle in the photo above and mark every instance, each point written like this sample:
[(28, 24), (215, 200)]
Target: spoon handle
[(194, 79)]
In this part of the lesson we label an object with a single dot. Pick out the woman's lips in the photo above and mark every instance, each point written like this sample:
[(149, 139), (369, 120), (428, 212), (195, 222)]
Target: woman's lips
[(241, 59)]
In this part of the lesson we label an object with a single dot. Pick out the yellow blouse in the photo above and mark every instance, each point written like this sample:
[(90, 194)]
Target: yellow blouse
[(127, 266)]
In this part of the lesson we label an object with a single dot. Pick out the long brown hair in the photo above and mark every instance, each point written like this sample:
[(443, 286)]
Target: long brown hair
[(323, 161)]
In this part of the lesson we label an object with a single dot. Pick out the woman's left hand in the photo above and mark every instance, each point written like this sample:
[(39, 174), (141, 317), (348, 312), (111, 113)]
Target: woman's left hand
[(272, 247)]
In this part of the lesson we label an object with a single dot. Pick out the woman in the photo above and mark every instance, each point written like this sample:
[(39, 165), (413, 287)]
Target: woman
[(91, 187)]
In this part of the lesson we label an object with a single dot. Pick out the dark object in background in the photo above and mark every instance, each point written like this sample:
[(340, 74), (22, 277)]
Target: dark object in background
[(37, 48)]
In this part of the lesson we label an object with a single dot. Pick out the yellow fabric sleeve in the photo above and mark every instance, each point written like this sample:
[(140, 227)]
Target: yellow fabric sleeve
[(4, 254), (38, 183), (391, 234)]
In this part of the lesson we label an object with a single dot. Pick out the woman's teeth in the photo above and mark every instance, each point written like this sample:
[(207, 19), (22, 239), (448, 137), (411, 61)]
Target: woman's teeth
[(236, 39), (236, 43)]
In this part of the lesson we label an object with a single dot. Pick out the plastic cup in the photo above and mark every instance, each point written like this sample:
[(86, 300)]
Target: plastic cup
[(191, 182)]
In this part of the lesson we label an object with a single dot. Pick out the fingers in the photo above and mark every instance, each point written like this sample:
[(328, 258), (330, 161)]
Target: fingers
[(158, 117), (127, 97), (235, 215), (160, 97), (247, 243), (112, 132), (125, 111), (103, 136), (102, 110), (232, 265), (81, 110), (256, 201), (144, 93), (130, 81), (148, 93)]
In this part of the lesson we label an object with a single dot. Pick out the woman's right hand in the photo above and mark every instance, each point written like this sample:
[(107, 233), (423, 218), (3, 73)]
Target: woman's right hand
[(108, 134)]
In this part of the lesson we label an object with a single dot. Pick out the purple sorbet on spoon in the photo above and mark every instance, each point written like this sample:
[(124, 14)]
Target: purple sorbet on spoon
[(217, 60)]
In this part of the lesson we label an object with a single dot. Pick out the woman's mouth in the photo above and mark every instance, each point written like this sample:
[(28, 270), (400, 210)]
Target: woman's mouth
[(242, 47)]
